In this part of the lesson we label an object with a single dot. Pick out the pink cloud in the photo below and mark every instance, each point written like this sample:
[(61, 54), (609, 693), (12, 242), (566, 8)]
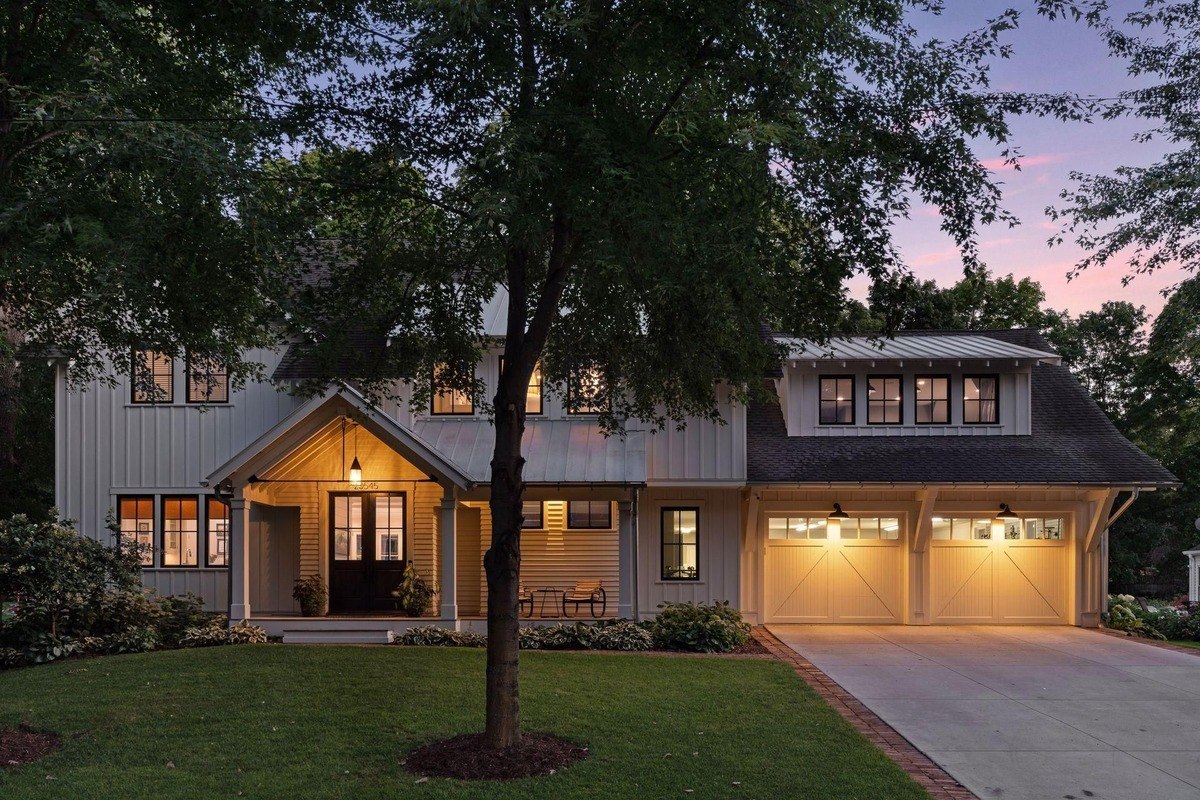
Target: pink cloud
[(1039, 160)]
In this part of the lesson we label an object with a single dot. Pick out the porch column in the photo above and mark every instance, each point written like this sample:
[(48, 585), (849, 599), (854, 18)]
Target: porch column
[(239, 557), (1193, 574), (625, 559), (448, 528)]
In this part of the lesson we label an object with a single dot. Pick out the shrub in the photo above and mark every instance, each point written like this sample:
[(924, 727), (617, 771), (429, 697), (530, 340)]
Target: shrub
[(312, 595), (178, 614), (210, 635), (433, 636), (414, 595), (131, 640), (623, 635), (700, 628), (557, 637), (246, 633)]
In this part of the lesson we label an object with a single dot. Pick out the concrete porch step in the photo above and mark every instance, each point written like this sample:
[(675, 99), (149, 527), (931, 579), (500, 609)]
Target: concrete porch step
[(337, 636)]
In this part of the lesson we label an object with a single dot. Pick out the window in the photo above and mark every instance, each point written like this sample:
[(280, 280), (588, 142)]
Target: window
[(586, 391), (962, 529), (885, 400), (980, 400), (389, 527), (837, 400), (216, 518), (797, 527), (135, 516), (533, 397), (446, 400), (1036, 528), (153, 377), (887, 528), (532, 515), (207, 380), (933, 400), (347, 527), (585, 514), (680, 544), (181, 532)]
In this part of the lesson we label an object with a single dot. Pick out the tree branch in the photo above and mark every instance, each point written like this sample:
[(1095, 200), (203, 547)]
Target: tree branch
[(686, 81)]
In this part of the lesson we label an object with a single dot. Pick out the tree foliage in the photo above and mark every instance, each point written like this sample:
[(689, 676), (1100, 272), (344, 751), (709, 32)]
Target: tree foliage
[(977, 301)]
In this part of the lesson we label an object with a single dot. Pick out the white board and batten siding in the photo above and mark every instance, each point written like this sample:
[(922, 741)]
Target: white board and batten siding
[(107, 446)]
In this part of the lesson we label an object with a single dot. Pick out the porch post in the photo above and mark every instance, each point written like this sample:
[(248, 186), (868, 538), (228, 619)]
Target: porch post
[(239, 557), (625, 559), (448, 528)]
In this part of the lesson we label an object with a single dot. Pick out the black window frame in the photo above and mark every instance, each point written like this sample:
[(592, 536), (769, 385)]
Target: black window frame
[(153, 534), (434, 394), (853, 398), (162, 533), (917, 400), (899, 403), (591, 411), (134, 363), (208, 399), (993, 376), (541, 518), (606, 527), (208, 500), (663, 545), (541, 383)]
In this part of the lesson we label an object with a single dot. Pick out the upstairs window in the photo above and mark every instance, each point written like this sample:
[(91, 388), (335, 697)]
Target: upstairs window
[(933, 400), (135, 517), (587, 391), (207, 380), (153, 377), (837, 400), (680, 544), (589, 514), (181, 532), (532, 515), (533, 396), (885, 401), (448, 401), (981, 405), (217, 518)]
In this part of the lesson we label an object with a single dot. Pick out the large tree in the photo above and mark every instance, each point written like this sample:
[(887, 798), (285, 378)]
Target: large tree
[(651, 183)]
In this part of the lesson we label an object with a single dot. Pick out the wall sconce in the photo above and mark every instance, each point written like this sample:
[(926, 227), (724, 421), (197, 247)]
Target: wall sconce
[(1006, 513), (834, 528)]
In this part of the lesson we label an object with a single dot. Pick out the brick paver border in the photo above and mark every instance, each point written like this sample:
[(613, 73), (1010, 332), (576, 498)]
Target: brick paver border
[(934, 779)]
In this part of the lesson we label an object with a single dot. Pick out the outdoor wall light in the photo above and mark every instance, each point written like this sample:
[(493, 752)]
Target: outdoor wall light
[(837, 512), (1006, 513)]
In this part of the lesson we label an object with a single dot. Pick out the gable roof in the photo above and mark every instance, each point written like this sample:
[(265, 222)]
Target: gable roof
[(915, 346), (1071, 442)]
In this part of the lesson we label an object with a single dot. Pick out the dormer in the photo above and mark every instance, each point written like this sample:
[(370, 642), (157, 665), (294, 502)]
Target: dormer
[(917, 384)]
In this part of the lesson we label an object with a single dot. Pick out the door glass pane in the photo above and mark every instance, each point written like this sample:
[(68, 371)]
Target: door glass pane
[(889, 528), (868, 528), (347, 528), (849, 528), (941, 528), (981, 529), (777, 528), (389, 527)]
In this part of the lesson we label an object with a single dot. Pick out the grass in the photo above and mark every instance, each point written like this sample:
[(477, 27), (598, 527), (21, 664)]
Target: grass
[(335, 722), (1186, 643)]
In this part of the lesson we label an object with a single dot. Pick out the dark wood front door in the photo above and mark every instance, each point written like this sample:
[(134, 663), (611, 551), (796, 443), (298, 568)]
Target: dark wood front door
[(366, 550)]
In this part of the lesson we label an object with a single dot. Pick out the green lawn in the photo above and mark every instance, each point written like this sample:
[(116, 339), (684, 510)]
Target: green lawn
[(1186, 643), (335, 722)]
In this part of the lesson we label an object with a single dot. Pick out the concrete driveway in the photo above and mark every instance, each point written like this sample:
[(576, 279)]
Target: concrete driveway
[(1044, 713)]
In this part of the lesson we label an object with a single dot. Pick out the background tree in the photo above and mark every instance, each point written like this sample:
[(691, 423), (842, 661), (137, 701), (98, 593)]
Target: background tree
[(651, 184), (1106, 349), (977, 301)]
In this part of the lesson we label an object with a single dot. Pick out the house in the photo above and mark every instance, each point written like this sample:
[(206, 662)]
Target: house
[(940, 477)]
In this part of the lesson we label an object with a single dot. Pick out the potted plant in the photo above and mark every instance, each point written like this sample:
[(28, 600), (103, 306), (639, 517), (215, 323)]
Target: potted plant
[(414, 595), (312, 595)]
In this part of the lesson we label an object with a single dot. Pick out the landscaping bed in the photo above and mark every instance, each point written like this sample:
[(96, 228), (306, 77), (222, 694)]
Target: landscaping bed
[(336, 721)]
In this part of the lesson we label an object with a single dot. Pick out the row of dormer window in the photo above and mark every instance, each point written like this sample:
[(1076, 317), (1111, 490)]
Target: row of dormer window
[(586, 394), (885, 400), (153, 379)]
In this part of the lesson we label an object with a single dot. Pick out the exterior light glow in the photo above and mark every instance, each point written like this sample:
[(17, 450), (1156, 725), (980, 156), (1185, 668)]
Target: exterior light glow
[(355, 472)]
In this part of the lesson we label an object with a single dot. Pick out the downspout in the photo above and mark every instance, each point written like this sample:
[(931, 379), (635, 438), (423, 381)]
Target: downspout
[(633, 529), (1116, 515)]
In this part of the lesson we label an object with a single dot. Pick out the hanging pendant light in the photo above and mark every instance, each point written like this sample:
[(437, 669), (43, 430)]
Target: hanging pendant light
[(837, 512), (355, 467), (1006, 513)]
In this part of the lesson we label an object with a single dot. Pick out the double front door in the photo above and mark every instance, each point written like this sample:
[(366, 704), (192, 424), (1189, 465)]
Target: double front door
[(367, 550)]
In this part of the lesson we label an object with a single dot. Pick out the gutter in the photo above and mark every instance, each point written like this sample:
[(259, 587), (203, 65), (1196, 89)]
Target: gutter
[(1124, 507)]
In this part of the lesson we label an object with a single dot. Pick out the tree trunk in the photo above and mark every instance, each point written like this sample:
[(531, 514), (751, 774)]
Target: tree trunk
[(10, 341), (502, 564)]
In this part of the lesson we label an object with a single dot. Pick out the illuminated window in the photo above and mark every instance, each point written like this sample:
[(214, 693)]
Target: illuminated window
[(933, 400), (153, 377), (533, 397), (680, 544), (181, 532), (1034, 528), (389, 527), (585, 514), (887, 528), (135, 516), (217, 520), (837, 400), (885, 403), (207, 381), (962, 529), (347, 527), (587, 391), (447, 400), (798, 527), (532, 515), (980, 400)]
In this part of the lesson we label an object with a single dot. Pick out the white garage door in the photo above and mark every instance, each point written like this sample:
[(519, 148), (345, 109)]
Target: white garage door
[(982, 571), (854, 576)]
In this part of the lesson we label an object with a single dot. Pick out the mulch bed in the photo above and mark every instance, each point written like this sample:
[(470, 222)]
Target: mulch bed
[(24, 745), (467, 758)]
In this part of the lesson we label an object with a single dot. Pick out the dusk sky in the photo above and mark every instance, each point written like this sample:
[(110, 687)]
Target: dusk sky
[(1048, 56)]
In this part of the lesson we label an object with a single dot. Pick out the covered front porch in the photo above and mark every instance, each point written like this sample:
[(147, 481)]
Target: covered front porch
[(297, 511)]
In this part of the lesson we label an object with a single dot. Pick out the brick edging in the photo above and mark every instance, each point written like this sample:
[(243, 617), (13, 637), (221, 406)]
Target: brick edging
[(1191, 651), (935, 780)]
